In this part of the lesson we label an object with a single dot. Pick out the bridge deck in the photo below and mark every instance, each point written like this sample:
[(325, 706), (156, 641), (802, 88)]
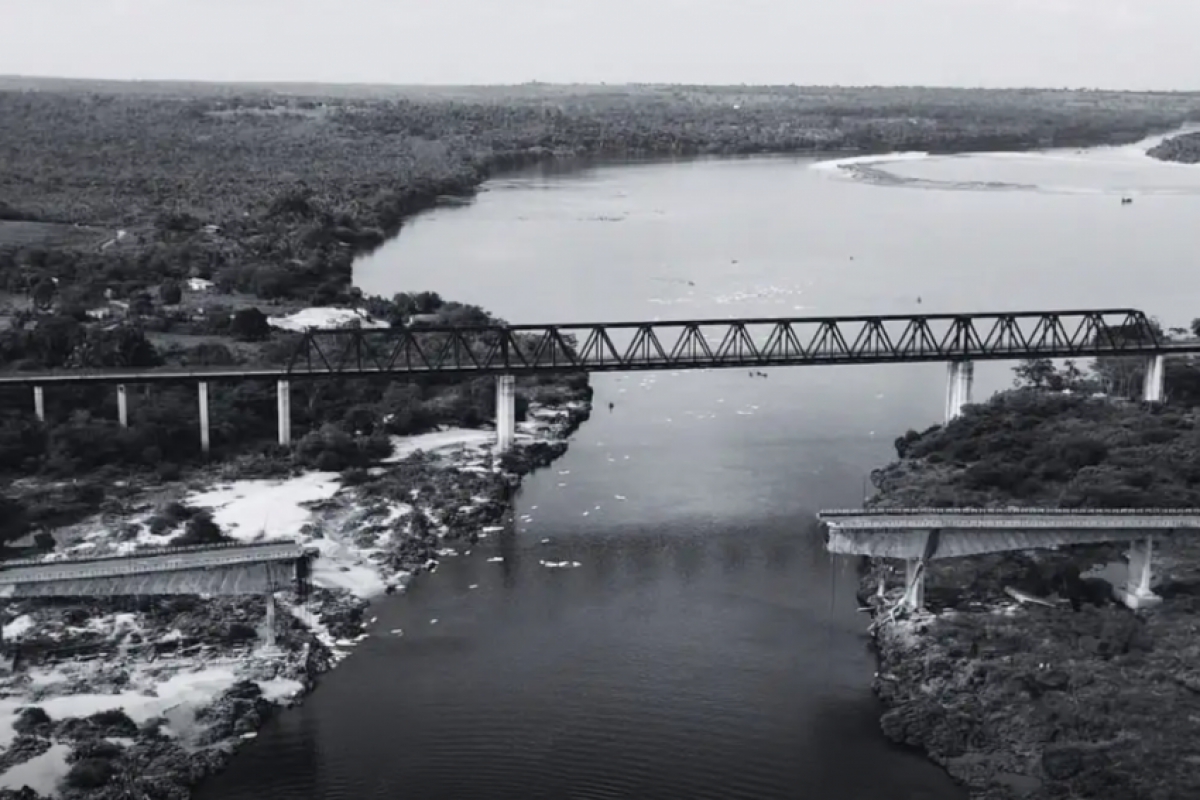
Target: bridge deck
[(248, 569), (902, 533)]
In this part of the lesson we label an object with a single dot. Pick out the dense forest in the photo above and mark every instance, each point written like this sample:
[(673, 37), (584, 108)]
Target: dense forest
[(116, 199), (272, 195), (1060, 439)]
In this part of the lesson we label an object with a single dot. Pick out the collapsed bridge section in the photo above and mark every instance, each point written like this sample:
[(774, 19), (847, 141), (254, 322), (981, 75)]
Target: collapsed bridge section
[(920, 535)]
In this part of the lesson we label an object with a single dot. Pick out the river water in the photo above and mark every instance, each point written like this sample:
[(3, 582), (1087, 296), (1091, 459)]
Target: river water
[(706, 647)]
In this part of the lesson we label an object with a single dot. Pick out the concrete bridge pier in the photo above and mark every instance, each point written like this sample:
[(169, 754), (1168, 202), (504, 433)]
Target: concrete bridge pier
[(269, 622), (122, 406), (1154, 384), (506, 412), (39, 403), (204, 432), (285, 412), (960, 380), (1136, 592), (914, 584)]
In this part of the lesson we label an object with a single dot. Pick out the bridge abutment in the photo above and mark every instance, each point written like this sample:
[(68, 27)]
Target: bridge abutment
[(1154, 384), (202, 388), (506, 412), (960, 382), (1136, 592), (284, 400), (122, 405), (39, 403)]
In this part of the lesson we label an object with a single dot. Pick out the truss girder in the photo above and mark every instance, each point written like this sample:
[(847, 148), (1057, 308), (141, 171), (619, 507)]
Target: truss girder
[(704, 344)]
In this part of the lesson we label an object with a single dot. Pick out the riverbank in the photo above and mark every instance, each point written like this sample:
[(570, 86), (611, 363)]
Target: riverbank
[(1020, 700), (192, 678)]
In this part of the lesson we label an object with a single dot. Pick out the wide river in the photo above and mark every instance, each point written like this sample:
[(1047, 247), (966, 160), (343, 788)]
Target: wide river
[(707, 647)]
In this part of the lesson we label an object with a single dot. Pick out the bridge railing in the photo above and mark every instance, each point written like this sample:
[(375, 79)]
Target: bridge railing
[(1010, 510), (152, 552)]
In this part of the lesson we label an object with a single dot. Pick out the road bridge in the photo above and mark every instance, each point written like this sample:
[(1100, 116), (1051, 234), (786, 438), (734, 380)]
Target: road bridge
[(508, 351), (920, 535), (227, 569)]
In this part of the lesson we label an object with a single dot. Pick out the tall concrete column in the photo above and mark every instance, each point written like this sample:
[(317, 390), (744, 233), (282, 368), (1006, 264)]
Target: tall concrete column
[(914, 583), (269, 623), (506, 412), (204, 440), (1136, 592), (1154, 384), (960, 382), (39, 403), (284, 392), (122, 406)]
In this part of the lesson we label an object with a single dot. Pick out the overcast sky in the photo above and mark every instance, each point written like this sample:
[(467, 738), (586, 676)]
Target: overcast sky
[(1109, 43)]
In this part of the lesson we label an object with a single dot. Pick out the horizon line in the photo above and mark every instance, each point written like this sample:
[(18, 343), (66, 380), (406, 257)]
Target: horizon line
[(590, 85)]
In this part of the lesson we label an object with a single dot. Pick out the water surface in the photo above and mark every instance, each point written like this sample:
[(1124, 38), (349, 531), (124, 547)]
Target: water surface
[(707, 647)]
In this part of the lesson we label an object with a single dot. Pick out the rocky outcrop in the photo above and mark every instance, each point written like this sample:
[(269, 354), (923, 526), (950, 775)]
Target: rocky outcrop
[(1182, 149)]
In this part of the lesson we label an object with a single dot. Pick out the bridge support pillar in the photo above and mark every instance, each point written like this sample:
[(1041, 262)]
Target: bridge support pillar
[(1154, 384), (269, 622), (204, 438), (1136, 592), (506, 412), (122, 406), (39, 403), (285, 412), (960, 380), (914, 584)]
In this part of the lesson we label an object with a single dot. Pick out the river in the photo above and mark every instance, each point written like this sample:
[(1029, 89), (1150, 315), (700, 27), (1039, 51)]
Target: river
[(706, 647)]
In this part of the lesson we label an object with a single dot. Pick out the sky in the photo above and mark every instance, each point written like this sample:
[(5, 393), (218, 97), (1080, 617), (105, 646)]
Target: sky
[(1118, 44)]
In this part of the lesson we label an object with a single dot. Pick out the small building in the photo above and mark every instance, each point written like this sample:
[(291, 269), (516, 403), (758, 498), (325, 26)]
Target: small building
[(114, 309), (199, 285)]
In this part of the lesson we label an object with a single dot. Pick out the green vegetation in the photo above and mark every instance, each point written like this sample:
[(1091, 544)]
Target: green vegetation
[(1041, 702), (1184, 149)]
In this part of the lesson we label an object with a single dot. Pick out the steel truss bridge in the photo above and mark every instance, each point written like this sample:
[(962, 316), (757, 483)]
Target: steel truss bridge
[(675, 345)]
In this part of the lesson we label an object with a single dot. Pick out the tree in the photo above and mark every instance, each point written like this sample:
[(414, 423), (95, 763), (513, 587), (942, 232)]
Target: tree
[(170, 293), (250, 325), (1036, 373), (14, 520), (201, 529), (43, 294), (140, 305)]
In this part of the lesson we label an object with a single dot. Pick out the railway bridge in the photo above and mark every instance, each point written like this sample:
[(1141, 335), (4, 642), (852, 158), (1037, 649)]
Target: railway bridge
[(509, 351)]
